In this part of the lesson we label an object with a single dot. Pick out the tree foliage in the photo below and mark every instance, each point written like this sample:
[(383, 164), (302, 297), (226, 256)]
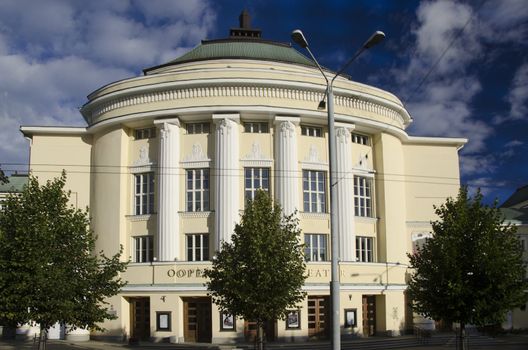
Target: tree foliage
[(48, 269), (471, 270), (260, 274)]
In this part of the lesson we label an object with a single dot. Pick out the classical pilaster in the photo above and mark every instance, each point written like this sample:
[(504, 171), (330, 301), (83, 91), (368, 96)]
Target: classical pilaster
[(227, 176), (287, 164), (345, 193), (168, 190)]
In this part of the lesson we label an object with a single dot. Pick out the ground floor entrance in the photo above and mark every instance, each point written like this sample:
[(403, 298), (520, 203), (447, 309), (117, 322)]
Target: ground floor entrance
[(140, 318), (197, 319), (369, 315), (250, 331), (318, 321)]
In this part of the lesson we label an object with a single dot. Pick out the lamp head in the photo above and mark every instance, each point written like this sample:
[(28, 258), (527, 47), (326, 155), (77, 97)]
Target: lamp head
[(298, 37), (374, 39), (322, 105)]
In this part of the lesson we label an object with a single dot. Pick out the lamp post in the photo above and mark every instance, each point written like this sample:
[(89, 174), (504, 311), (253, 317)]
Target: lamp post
[(298, 37)]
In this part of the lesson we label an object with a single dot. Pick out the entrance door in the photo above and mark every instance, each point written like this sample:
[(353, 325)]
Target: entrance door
[(140, 318), (369, 315), (197, 320), (317, 316), (250, 330)]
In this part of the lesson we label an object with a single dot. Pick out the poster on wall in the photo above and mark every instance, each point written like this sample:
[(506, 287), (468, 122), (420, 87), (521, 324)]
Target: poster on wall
[(227, 322), (293, 321), (350, 318)]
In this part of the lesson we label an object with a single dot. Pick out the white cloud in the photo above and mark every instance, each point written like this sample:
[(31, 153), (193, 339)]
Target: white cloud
[(54, 53), (513, 143)]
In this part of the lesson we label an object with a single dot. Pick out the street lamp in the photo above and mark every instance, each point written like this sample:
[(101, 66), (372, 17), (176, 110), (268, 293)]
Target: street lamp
[(298, 37)]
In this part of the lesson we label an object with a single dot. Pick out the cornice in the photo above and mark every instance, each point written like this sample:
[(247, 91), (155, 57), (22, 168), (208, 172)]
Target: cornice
[(252, 88)]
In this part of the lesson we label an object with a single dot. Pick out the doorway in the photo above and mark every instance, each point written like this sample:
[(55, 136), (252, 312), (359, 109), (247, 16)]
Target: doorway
[(197, 320), (318, 325), (250, 331), (369, 315), (140, 318)]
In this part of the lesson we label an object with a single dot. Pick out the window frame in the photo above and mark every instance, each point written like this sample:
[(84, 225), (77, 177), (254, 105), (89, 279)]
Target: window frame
[(143, 249), (193, 129), (144, 133), (365, 249), (320, 202), (140, 207), (360, 139), (256, 127), (363, 194), (203, 248), (249, 192), (311, 131), (320, 250), (191, 194)]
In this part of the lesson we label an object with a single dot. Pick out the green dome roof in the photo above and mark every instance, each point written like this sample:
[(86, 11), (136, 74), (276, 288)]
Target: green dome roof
[(241, 49)]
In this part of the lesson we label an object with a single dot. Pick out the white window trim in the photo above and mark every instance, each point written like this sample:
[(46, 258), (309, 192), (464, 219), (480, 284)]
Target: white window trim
[(134, 249), (202, 250), (372, 196), (310, 247), (252, 189), (373, 248), (325, 191), (133, 202), (194, 191)]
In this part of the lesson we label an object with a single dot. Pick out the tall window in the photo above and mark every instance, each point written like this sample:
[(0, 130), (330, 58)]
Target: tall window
[(198, 190), (364, 249), (143, 249), (146, 133), (362, 196), (255, 178), (197, 128), (314, 195), (197, 247), (256, 127), (311, 131), (315, 247), (144, 194)]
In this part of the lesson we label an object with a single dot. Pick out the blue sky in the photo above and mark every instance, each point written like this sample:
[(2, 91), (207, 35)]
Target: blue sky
[(474, 54)]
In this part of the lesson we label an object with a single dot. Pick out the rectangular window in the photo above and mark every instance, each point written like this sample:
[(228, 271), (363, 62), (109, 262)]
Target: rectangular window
[(144, 193), (256, 127), (311, 131), (314, 191), (255, 178), (197, 247), (146, 133), (143, 249), (315, 247), (197, 128), (364, 249), (198, 190), (361, 139), (362, 196)]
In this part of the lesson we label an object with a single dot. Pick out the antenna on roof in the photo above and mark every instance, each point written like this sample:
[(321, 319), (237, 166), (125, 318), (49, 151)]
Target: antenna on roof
[(244, 31)]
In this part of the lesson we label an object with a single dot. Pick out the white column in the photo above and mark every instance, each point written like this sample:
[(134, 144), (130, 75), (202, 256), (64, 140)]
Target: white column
[(168, 190), (287, 175), (345, 194), (227, 176)]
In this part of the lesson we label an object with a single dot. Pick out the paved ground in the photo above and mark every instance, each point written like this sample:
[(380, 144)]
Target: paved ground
[(437, 342)]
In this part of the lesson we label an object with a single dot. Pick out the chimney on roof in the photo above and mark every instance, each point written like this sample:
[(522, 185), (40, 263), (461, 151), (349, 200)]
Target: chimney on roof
[(244, 31)]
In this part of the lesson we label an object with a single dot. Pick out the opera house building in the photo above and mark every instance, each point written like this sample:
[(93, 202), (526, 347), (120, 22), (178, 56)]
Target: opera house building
[(167, 161)]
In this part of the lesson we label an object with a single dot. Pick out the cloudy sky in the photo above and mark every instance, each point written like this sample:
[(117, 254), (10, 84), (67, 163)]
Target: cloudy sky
[(460, 66)]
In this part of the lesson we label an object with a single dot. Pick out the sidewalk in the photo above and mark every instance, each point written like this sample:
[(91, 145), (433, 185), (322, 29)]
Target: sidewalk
[(442, 341)]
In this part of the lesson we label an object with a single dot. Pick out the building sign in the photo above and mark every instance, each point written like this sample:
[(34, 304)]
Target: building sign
[(185, 273)]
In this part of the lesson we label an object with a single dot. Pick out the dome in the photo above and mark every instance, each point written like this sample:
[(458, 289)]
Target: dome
[(256, 49)]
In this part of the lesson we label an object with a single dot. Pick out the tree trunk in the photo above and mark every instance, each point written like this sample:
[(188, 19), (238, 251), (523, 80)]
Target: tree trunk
[(462, 337), (260, 341), (42, 338)]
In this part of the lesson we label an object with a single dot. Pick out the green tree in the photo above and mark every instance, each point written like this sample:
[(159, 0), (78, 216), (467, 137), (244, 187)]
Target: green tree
[(260, 274), (48, 269), (471, 270)]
